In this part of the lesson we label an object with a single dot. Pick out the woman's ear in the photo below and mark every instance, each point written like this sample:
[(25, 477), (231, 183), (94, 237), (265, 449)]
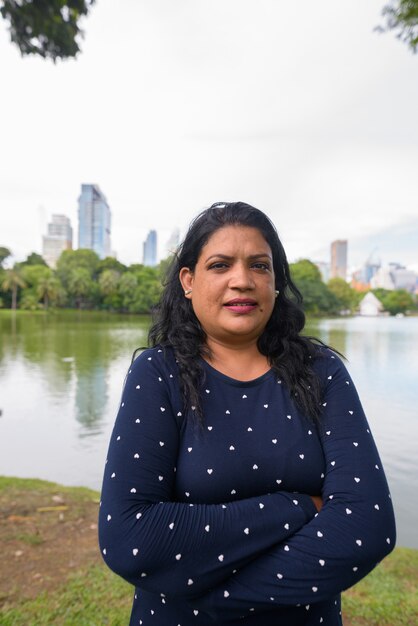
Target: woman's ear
[(186, 280)]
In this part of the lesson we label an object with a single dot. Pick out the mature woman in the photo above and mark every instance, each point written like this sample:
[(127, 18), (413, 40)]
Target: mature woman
[(242, 484)]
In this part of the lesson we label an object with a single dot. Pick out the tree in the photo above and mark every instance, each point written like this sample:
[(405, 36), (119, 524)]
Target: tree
[(74, 259), (34, 259), (32, 274), (317, 298), (127, 288), (30, 301), (11, 282), (80, 285), (305, 270), (48, 28), (4, 253), (108, 284), (110, 263), (48, 289), (345, 294), (397, 301), (402, 17)]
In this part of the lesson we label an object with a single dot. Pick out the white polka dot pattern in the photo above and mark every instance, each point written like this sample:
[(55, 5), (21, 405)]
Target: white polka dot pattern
[(171, 495)]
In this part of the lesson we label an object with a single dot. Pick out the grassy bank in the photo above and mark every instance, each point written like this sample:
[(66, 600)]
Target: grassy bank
[(52, 572)]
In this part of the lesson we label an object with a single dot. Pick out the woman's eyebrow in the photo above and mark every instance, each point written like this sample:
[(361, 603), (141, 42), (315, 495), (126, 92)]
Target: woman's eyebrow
[(226, 257)]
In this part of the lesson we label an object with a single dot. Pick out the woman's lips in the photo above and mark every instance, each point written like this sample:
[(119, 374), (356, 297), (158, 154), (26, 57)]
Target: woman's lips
[(241, 306)]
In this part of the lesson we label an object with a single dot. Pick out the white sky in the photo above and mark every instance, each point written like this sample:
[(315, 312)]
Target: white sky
[(299, 108)]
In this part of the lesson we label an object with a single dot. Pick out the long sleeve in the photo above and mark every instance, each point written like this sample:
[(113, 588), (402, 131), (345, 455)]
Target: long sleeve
[(354, 530), (148, 538)]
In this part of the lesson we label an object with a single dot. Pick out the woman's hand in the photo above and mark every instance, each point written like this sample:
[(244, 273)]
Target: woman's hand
[(318, 502)]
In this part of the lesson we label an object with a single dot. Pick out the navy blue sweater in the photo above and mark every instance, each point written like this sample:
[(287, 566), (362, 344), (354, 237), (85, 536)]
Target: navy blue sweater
[(215, 525)]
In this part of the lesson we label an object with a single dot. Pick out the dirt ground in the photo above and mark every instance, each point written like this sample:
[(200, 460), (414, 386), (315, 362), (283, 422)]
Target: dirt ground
[(44, 534)]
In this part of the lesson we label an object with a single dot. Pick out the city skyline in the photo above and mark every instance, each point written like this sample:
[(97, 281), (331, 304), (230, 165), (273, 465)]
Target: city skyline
[(364, 246), (325, 143)]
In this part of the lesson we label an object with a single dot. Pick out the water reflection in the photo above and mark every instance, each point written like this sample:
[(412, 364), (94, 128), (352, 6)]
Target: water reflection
[(61, 377), (71, 355)]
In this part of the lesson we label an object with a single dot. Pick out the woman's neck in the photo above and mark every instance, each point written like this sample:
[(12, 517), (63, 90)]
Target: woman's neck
[(242, 362)]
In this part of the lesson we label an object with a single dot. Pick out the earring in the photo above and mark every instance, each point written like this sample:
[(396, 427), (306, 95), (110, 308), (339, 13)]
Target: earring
[(186, 293), (277, 292)]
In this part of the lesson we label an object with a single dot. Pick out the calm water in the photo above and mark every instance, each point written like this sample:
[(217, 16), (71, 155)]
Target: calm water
[(61, 378)]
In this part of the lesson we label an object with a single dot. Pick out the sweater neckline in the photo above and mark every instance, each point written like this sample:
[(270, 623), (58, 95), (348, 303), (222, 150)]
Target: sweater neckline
[(233, 381)]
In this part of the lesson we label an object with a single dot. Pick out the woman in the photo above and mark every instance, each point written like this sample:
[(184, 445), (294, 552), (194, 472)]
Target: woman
[(242, 484)]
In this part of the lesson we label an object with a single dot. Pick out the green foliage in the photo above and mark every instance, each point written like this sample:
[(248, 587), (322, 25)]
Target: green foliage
[(82, 280), (347, 297), (317, 298), (48, 28), (398, 301), (75, 259), (127, 288), (305, 270), (4, 253), (80, 285), (108, 284), (110, 263), (49, 290), (402, 17), (395, 301), (12, 280), (30, 301), (32, 274), (34, 259), (85, 281)]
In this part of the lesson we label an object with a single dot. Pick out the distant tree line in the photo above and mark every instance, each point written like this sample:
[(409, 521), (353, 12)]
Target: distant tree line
[(337, 297), (83, 281)]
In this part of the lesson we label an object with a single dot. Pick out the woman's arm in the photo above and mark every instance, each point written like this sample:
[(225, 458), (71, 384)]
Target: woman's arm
[(353, 531), (175, 547)]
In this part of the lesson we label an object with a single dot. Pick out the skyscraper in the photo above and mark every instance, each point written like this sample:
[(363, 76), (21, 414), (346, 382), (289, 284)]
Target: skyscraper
[(339, 259), (150, 249), (94, 220), (58, 239), (172, 242)]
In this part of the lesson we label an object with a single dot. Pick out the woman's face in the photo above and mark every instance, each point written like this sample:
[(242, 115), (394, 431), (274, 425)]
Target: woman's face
[(233, 286)]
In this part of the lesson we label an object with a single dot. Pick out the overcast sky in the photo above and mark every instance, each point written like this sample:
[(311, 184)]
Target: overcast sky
[(298, 108)]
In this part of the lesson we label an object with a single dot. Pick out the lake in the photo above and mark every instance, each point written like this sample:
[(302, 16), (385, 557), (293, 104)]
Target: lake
[(61, 377)]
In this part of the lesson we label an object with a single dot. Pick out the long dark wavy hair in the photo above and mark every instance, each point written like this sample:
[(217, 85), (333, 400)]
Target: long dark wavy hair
[(174, 323)]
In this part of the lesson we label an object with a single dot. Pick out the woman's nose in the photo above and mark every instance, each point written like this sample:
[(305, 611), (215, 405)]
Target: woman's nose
[(241, 278)]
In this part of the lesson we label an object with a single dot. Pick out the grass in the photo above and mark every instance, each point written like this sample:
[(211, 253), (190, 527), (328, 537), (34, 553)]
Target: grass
[(93, 596), (89, 598), (389, 595)]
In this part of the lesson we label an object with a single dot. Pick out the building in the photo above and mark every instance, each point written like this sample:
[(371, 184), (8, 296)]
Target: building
[(150, 249), (339, 259), (370, 305), (58, 239), (94, 220), (394, 276), (325, 269), (172, 243)]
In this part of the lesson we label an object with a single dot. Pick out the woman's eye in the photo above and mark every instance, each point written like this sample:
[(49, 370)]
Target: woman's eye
[(261, 266), (218, 266)]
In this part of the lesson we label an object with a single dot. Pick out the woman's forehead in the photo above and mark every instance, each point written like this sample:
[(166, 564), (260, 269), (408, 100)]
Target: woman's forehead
[(234, 237)]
